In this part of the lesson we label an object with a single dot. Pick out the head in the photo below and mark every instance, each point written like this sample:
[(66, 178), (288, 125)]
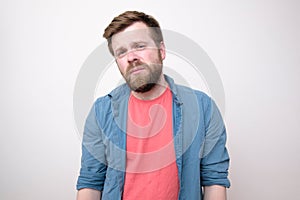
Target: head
[(128, 18), (135, 40)]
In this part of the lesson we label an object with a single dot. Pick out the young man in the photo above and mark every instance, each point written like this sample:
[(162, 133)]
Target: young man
[(150, 138)]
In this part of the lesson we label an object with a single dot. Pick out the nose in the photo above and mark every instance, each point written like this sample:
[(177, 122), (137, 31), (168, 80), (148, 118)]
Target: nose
[(132, 56)]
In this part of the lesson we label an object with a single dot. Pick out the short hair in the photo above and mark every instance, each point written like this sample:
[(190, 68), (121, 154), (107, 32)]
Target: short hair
[(126, 19)]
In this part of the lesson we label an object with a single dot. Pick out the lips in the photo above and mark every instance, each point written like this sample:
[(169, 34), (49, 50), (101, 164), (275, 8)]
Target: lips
[(136, 70)]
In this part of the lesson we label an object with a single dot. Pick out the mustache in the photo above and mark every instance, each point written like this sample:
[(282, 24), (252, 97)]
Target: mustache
[(135, 64)]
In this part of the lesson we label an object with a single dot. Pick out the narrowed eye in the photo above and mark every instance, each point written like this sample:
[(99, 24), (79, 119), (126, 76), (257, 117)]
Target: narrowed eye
[(120, 53), (140, 46)]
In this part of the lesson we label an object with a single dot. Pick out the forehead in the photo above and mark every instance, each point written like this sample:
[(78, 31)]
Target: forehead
[(136, 32)]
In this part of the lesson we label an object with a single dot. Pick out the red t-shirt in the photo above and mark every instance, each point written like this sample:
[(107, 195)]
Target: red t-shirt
[(151, 170)]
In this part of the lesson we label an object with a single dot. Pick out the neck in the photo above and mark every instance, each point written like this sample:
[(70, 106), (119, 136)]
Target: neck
[(155, 92)]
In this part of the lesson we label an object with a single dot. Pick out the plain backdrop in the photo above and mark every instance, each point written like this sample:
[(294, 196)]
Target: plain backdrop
[(255, 46)]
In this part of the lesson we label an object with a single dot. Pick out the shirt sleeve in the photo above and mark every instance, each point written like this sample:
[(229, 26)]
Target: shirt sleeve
[(93, 161), (215, 159)]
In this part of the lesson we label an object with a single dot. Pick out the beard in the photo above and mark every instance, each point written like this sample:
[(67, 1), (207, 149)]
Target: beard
[(145, 80)]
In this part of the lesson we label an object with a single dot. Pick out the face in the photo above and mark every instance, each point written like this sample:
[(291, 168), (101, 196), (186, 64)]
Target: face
[(138, 57)]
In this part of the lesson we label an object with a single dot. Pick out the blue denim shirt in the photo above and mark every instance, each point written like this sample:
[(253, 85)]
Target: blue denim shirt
[(199, 140)]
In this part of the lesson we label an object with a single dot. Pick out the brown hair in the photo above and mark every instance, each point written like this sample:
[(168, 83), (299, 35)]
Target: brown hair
[(126, 19)]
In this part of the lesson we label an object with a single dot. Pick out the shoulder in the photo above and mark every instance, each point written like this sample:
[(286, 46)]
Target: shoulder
[(116, 93), (186, 93)]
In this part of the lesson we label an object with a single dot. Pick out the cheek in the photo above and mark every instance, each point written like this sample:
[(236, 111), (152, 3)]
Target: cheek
[(152, 56), (122, 66)]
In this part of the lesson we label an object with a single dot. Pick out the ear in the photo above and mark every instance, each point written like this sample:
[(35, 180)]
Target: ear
[(162, 50)]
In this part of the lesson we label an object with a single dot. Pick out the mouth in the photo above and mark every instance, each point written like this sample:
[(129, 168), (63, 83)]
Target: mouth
[(136, 70)]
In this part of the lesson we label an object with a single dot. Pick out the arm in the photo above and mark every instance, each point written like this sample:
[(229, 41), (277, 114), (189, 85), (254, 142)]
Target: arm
[(214, 156), (88, 194), (93, 165), (214, 192)]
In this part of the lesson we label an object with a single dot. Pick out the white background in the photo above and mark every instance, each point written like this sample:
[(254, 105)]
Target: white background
[(253, 44)]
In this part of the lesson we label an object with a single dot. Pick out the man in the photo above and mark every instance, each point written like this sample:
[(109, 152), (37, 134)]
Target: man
[(150, 138)]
